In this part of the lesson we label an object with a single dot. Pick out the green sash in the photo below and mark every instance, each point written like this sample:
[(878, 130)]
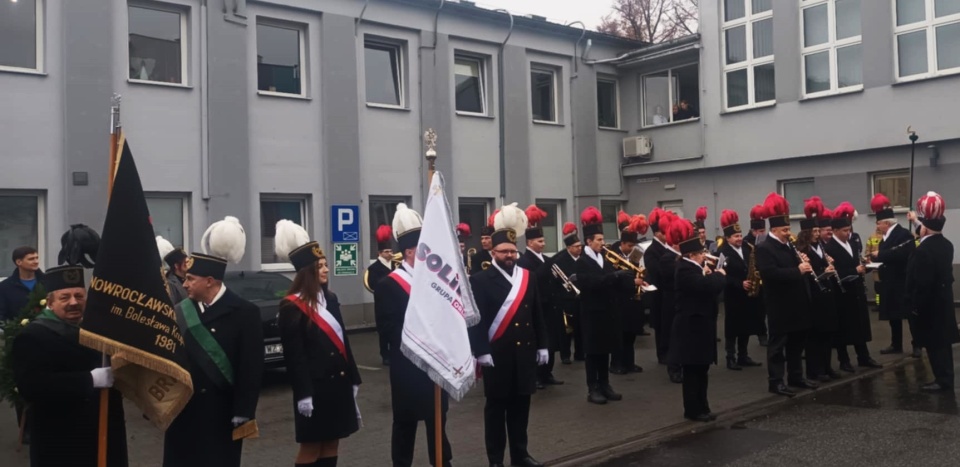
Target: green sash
[(211, 348)]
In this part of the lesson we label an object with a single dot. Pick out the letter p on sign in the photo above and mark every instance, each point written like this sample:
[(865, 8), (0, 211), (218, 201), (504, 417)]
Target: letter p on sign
[(344, 220)]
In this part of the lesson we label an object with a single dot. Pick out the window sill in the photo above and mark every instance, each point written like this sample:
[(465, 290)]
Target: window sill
[(159, 83), (475, 115), (282, 95), (21, 71), (387, 107), (747, 108), (277, 267), (681, 122), (543, 122), (615, 130), (851, 90), (927, 77)]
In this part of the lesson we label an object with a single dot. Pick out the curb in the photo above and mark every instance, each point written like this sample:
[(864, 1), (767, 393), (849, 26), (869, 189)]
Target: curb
[(725, 419)]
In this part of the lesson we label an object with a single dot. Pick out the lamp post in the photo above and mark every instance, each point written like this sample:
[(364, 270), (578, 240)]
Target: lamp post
[(913, 147)]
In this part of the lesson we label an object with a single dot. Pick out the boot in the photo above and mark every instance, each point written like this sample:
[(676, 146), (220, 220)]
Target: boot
[(747, 361), (595, 396), (732, 364), (609, 393)]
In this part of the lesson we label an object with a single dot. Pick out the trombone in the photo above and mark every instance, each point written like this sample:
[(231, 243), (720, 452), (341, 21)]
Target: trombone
[(567, 284), (620, 263)]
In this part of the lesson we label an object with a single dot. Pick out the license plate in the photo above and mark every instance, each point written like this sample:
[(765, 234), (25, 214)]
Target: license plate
[(274, 349)]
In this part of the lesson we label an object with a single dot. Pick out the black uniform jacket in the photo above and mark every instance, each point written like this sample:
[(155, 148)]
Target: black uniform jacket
[(853, 315), (741, 313), (668, 299), (599, 317), (651, 263), (514, 353), (52, 372), (693, 339), (785, 291), (550, 296), (824, 301), (478, 260), (631, 309), (376, 271), (567, 302), (202, 434), (930, 293), (894, 253)]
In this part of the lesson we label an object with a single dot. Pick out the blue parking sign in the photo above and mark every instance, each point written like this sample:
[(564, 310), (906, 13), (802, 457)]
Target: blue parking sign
[(345, 223)]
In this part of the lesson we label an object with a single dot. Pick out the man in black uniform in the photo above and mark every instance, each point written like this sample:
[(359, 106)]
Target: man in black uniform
[(668, 297), (652, 300), (701, 225), (483, 256), (929, 293), (629, 305), (569, 301), (377, 270), (758, 229), (62, 380), (893, 253), (411, 390), (539, 265), (224, 341), (742, 317), (509, 343), (463, 234)]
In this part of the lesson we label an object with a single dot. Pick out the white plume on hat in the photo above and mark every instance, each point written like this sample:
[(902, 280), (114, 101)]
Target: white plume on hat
[(289, 237), (405, 220), (225, 239), (164, 247), (511, 217)]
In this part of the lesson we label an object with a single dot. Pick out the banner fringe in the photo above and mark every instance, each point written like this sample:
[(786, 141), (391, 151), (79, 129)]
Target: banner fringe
[(454, 392)]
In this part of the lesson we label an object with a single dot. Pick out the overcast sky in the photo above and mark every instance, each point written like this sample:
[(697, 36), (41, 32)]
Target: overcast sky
[(560, 11)]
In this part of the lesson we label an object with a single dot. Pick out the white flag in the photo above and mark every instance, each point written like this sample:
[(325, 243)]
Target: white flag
[(441, 306)]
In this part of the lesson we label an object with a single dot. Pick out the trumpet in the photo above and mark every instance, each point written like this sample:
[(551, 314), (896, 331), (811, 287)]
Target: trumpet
[(470, 254), (485, 265), (396, 260), (567, 284), (620, 263)]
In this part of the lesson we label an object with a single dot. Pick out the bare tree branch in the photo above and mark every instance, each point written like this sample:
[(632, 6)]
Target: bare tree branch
[(651, 20)]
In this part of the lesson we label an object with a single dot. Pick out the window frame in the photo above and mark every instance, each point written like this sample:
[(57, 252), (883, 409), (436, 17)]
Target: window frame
[(643, 95), (749, 63), (929, 25), (782, 191), (41, 245), (482, 70), (372, 236), (558, 215), (886, 173), (39, 45), (304, 66), (183, 12), (538, 68), (487, 203), (616, 99), (831, 46), (184, 207), (304, 201), (675, 205), (377, 42)]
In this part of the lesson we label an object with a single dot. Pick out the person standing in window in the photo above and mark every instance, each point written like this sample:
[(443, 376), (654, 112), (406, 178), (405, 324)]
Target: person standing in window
[(658, 117), (319, 359)]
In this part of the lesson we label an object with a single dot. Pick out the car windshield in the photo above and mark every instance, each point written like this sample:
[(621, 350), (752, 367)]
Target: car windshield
[(259, 287)]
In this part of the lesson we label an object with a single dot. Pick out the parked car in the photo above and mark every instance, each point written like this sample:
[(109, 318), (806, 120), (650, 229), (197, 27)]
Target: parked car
[(264, 289)]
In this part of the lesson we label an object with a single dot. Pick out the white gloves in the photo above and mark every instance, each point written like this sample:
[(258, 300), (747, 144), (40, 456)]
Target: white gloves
[(102, 377), (237, 421), (356, 404), (485, 360), (305, 406), (543, 357)]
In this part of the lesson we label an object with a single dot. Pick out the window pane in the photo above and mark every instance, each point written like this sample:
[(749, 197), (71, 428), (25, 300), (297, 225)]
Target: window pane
[(849, 66), (946, 7), (381, 213), (815, 29), (733, 9), (675, 206), (382, 70), (473, 214), (763, 83), (818, 72), (796, 192), (541, 85), (18, 35), (271, 212), (278, 59), (736, 44), (609, 210), (737, 88), (910, 11), (763, 38), (912, 51), (657, 107), (166, 215), (848, 18), (19, 228), (759, 6), (895, 186), (154, 45), (686, 85), (948, 46), (550, 225), (607, 104), (469, 95)]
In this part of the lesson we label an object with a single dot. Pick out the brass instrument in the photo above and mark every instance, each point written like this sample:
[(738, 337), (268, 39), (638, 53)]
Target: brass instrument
[(485, 265), (567, 327), (567, 284), (396, 260), (719, 241), (366, 280), (470, 254), (753, 275), (620, 263)]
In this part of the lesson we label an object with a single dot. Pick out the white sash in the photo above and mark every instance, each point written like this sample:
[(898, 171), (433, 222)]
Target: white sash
[(516, 282), (326, 316)]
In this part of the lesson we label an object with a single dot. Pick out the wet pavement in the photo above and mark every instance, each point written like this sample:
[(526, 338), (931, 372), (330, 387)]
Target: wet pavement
[(879, 420)]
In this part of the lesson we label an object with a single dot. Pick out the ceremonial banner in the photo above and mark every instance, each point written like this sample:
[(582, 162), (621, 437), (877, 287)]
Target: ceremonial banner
[(441, 306), (129, 314)]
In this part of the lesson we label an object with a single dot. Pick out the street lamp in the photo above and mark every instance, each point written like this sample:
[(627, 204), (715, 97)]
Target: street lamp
[(913, 147)]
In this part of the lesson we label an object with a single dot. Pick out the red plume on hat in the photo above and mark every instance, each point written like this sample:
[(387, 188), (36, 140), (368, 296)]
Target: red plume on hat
[(666, 218), (655, 215), (384, 233), (701, 214), (679, 230), (879, 203), (639, 224), (623, 218), (845, 209), (813, 208), (728, 218), (490, 219), (590, 216), (535, 215), (758, 213), (931, 206), (569, 228), (463, 230), (776, 205), (826, 213)]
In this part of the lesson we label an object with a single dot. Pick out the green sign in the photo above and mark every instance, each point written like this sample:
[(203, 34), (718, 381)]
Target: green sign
[(345, 259)]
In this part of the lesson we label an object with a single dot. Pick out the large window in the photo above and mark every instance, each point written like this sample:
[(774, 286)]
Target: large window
[(831, 46), (21, 226), (21, 36), (170, 216), (543, 93), (474, 212), (748, 53), (552, 233), (796, 192), (157, 44), (383, 68), (671, 95), (928, 38), (471, 89), (895, 185), (272, 209), (280, 59), (609, 211), (382, 209), (608, 103)]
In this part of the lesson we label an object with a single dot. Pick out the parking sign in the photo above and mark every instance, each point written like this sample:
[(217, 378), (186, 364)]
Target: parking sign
[(345, 223)]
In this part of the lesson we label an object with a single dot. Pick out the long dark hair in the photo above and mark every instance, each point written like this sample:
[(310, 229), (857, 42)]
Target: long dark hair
[(804, 240), (307, 284)]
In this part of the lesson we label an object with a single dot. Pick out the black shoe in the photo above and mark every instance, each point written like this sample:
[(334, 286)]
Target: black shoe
[(747, 361), (935, 387), (496, 464), (596, 397), (803, 384), (609, 393), (891, 350), (869, 363), (385, 361), (846, 366), (676, 377), (618, 371), (565, 361), (917, 353), (833, 374), (636, 369), (528, 461), (703, 417), (781, 390), (764, 341), (824, 378), (712, 416), (732, 364), (540, 385), (550, 380)]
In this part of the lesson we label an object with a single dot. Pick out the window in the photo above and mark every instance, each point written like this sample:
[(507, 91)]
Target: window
[(608, 103), (170, 216), (928, 38), (471, 90), (382, 209), (543, 93), (552, 233), (21, 36), (895, 185), (671, 96), (831, 46), (21, 226), (796, 191), (383, 65), (280, 59), (156, 45), (748, 53), (272, 209), (675, 206), (474, 213), (609, 211)]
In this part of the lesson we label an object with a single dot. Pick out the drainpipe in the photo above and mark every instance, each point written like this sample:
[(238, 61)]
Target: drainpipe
[(204, 107), (356, 24), (573, 120), (500, 92)]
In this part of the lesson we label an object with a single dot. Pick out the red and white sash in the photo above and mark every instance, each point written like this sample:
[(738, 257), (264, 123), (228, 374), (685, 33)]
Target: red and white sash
[(403, 277), (519, 282), (324, 320)]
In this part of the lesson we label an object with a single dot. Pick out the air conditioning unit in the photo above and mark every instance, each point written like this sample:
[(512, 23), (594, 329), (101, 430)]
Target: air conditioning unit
[(638, 146)]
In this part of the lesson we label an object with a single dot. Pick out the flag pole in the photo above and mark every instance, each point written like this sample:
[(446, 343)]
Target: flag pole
[(430, 139)]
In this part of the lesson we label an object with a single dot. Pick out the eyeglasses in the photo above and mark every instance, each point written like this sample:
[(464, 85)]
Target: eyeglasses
[(507, 252)]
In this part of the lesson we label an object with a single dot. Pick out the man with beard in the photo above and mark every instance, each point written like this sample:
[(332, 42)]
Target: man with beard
[(654, 299), (568, 300), (893, 253), (534, 261), (741, 312)]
